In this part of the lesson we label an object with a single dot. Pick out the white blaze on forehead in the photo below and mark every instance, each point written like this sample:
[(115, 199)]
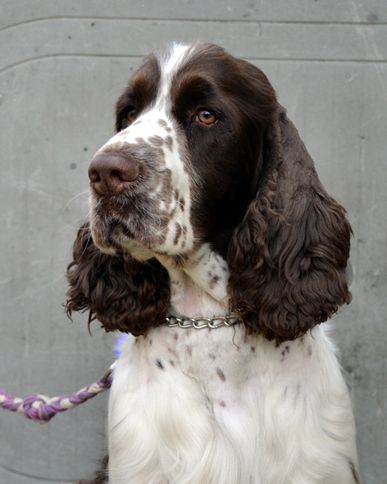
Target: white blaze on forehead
[(170, 62), (174, 57), (147, 124)]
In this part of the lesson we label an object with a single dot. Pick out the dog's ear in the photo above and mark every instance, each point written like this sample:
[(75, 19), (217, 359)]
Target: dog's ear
[(288, 256), (122, 293)]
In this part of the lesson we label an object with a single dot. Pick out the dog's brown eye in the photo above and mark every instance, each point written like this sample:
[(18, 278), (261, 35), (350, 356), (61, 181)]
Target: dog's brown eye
[(206, 117), (131, 114)]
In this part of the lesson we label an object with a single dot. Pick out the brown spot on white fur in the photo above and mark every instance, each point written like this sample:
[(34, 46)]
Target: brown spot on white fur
[(156, 140), (178, 233), (169, 142)]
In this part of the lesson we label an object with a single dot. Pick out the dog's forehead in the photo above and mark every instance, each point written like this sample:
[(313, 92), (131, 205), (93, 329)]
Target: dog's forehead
[(156, 120), (172, 58), (170, 62), (167, 69), (159, 69)]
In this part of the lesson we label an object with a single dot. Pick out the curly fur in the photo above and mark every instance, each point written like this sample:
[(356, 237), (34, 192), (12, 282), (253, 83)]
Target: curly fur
[(287, 258), (122, 293)]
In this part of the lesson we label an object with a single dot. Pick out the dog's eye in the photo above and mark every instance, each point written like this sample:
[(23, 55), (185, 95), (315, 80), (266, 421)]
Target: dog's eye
[(206, 117), (131, 114)]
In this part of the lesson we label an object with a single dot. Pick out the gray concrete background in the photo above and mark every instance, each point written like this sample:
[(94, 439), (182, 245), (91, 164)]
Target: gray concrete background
[(62, 65)]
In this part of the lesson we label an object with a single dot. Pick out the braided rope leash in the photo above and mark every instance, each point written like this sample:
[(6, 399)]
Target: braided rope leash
[(41, 408)]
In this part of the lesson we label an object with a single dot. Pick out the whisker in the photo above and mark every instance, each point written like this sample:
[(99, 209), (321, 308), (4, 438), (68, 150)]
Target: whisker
[(75, 197)]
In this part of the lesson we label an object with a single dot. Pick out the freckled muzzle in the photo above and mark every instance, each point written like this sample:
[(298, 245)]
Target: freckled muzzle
[(124, 180), (135, 195)]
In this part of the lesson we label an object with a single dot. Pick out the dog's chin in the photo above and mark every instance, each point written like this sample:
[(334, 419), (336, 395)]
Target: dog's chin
[(112, 239), (116, 237), (102, 241), (136, 250)]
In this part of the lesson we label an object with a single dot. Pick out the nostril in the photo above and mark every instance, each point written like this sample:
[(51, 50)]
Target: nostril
[(117, 174), (94, 176), (127, 172), (128, 175)]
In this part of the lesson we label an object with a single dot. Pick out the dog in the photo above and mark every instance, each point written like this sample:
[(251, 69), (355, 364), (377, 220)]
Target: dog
[(213, 243)]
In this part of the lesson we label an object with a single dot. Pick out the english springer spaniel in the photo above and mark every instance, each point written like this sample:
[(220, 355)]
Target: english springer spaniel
[(213, 243)]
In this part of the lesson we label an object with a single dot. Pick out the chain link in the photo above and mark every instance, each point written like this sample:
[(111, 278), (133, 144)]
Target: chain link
[(200, 322)]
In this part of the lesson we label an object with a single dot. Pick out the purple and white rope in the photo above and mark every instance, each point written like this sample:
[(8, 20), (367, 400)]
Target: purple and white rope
[(41, 408)]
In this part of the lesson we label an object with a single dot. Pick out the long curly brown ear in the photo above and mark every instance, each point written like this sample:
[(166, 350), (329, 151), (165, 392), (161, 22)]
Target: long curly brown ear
[(287, 258), (122, 293)]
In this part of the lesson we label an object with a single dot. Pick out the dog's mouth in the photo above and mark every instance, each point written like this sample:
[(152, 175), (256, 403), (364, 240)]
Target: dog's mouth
[(140, 223), (112, 235), (123, 239)]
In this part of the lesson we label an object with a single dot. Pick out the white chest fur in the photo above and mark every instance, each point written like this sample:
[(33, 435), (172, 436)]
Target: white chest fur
[(223, 407)]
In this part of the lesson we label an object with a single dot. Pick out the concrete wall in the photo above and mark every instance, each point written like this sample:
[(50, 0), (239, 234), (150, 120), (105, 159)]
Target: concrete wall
[(62, 65)]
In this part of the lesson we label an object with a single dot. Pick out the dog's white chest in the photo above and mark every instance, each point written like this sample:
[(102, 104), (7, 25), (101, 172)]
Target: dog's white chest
[(201, 407)]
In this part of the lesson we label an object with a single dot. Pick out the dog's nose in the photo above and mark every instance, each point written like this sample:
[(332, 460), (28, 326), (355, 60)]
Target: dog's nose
[(111, 174)]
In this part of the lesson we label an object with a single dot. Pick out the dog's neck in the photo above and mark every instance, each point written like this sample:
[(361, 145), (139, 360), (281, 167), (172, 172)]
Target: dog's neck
[(199, 285)]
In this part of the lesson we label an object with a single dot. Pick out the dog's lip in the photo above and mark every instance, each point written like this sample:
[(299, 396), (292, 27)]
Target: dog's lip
[(122, 236), (119, 240), (105, 234), (119, 231)]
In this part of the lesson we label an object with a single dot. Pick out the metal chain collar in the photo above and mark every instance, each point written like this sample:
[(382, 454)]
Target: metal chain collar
[(200, 322)]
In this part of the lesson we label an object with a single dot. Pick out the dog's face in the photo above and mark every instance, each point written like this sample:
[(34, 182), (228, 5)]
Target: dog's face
[(205, 154), (180, 170)]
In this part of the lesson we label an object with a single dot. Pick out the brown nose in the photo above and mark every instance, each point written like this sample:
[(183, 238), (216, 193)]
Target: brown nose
[(111, 174)]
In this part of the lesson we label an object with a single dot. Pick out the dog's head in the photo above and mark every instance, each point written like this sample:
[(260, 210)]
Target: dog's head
[(205, 154)]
